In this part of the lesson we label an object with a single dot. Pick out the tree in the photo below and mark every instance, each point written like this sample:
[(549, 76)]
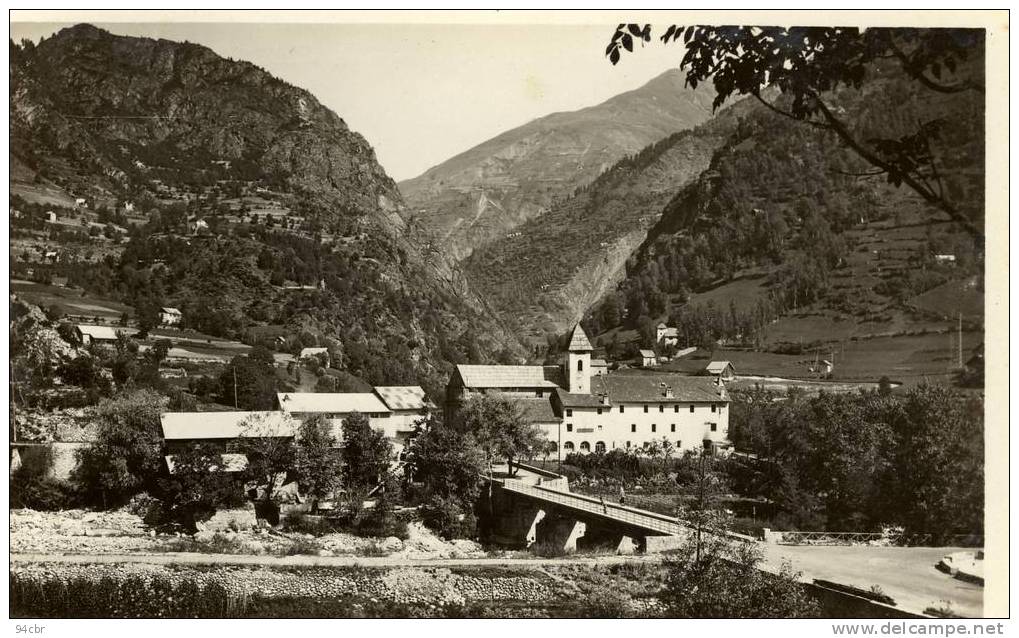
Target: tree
[(499, 427), (248, 384), (197, 486), (448, 461), (367, 454), (125, 457), (808, 64), (267, 440), (317, 462), (722, 578), (146, 312)]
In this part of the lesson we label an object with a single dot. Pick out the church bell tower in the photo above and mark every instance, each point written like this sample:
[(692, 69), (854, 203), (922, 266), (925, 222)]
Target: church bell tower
[(577, 363)]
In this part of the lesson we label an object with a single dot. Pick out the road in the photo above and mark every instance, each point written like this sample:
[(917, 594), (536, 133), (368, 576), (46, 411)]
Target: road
[(907, 574)]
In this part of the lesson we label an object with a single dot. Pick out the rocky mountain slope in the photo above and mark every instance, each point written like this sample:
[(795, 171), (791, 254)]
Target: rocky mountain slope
[(485, 192), (186, 134)]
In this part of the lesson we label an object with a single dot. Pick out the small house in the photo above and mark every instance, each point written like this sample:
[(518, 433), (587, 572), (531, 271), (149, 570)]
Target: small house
[(599, 366), (96, 334), (666, 335), (723, 370), (648, 359), (170, 316)]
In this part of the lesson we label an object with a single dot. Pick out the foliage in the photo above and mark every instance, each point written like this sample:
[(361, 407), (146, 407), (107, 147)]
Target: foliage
[(449, 517), (724, 580), (267, 440), (498, 427), (317, 462), (367, 453), (197, 487), (125, 456), (448, 461), (248, 383), (40, 492), (808, 64), (912, 458)]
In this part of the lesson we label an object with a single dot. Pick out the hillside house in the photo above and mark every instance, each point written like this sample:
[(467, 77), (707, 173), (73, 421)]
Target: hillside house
[(588, 412), (320, 354), (103, 335), (599, 366), (667, 336), (648, 358), (723, 370), (170, 316)]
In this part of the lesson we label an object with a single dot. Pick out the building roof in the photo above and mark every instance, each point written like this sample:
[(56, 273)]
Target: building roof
[(596, 363), (231, 462), (225, 425), (569, 400), (579, 341), (404, 397), (170, 311), (669, 332), (535, 410), (311, 352), (647, 353), (649, 388), (337, 402), (495, 376), (717, 367), (103, 333), (661, 325)]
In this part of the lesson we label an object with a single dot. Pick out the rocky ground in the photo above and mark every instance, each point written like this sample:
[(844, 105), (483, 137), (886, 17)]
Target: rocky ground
[(84, 532)]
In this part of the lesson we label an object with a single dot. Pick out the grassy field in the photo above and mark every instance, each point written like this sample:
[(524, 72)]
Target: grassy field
[(71, 300)]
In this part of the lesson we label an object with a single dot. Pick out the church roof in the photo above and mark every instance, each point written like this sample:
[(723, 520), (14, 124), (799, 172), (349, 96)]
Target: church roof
[(496, 376), (650, 388), (579, 341)]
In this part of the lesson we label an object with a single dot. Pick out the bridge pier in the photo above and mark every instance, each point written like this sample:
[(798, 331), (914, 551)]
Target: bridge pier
[(562, 532)]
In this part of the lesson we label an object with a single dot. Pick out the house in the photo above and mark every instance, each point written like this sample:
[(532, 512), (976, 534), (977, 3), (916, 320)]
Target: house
[(392, 410), (666, 335), (724, 370), (648, 359), (170, 316), (599, 366), (826, 366), (581, 411), (945, 259), (320, 354), (95, 334), (60, 282), (80, 202)]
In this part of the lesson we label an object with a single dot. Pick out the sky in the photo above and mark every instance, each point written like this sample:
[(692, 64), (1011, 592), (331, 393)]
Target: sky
[(421, 93)]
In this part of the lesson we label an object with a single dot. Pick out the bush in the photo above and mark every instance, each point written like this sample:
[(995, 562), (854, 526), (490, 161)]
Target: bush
[(33, 491), (449, 519), (302, 546)]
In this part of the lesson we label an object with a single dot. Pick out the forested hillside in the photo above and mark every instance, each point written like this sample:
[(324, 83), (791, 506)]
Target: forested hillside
[(790, 220), (237, 198)]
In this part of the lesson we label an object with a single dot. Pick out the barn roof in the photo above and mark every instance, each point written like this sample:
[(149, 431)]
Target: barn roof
[(336, 402), (716, 367), (225, 425), (103, 333), (494, 376), (647, 353)]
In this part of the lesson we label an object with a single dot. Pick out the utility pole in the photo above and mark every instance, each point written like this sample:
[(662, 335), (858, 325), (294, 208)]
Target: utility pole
[(234, 368), (960, 339)]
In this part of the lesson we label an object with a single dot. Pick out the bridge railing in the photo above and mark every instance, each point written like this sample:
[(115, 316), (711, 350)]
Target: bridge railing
[(621, 513)]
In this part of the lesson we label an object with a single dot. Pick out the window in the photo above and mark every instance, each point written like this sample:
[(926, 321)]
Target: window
[(633, 427), (599, 411), (553, 445), (675, 408), (691, 408), (569, 412), (661, 408), (712, 407), (714, 427), (568, 446), (569, 427), (599, 428), (585, 447), (627, 445), (580, 365), (645, 408), (672, 428), (654, 428), (539, 394), (621, 409), (599, 447), (679, 444)]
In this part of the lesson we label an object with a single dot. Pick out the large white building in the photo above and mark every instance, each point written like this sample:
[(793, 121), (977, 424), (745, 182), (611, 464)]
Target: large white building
[(590, 412)]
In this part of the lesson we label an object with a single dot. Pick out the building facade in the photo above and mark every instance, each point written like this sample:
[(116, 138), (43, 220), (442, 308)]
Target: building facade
[(590, 412)]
